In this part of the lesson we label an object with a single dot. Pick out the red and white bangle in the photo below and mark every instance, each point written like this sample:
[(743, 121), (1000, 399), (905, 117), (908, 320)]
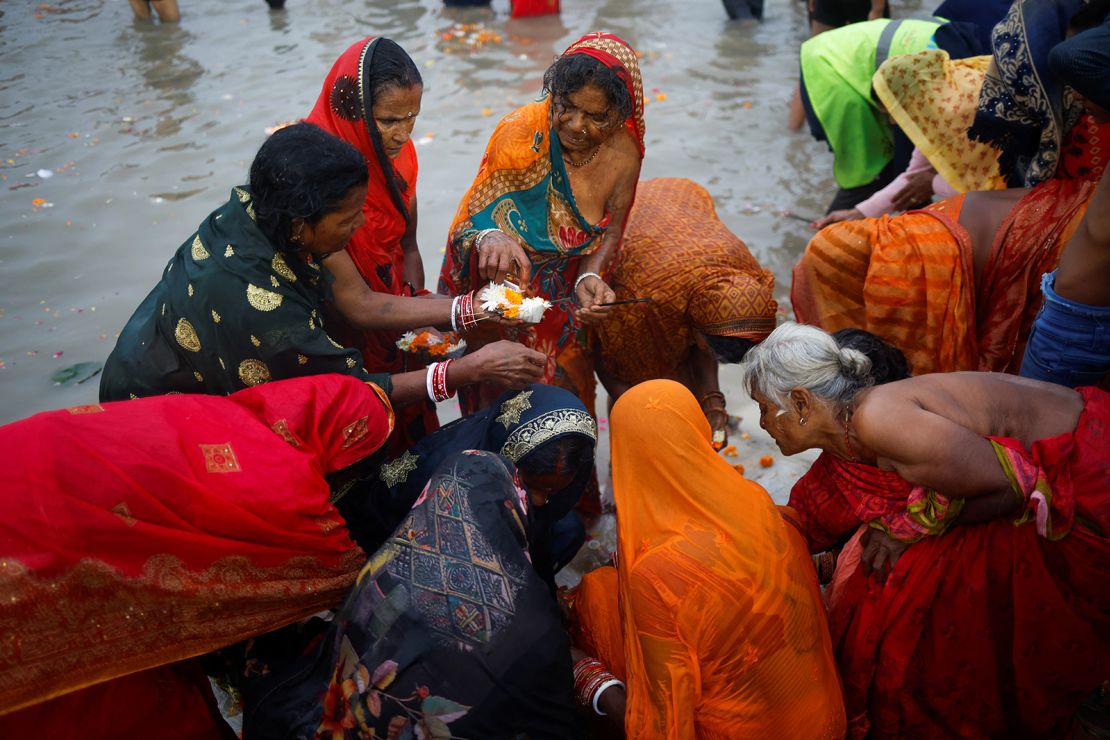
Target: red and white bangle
[(436, 381), (591, 679), (463, 316)]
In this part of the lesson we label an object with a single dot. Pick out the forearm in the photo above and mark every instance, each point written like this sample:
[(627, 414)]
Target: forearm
[(379, 311), (599, 260), (414, 269), (703, 364), (414, 265)]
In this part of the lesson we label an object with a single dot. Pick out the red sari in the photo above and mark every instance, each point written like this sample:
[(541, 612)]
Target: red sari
[(138, 533), (987, 630), (343, 111)]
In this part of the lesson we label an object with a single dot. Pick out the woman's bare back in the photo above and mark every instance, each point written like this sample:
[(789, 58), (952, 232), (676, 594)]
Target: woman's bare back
[(986, 404)]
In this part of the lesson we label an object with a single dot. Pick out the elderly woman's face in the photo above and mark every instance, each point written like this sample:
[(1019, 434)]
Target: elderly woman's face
[(395, 110), (783, 427), (584, 118)]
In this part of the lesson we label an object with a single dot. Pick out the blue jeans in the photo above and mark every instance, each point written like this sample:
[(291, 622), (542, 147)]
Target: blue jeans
[(1070, 342)]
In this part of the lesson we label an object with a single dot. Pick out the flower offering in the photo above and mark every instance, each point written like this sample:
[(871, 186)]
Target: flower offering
[(433, 344), (507, 300)]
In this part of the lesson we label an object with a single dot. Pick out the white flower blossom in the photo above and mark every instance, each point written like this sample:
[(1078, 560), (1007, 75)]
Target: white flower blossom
[(531, 310), (494, 296)]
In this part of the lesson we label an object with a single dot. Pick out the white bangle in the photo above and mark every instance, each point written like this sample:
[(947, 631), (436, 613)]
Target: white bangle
[(428, 382), (585, 275), (601, 688), (482, 235), (454, 306)]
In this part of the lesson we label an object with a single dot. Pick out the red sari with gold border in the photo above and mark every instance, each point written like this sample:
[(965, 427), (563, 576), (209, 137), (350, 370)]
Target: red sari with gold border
[(138, 533)]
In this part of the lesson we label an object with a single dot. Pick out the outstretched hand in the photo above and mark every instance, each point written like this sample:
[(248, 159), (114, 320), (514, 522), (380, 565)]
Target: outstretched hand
[(500, 256), (508, 363), (847, 214), (589, 293), (880, 553)]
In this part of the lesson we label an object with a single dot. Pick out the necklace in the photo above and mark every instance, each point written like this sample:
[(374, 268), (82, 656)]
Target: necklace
[(847, 440), (585, 161)]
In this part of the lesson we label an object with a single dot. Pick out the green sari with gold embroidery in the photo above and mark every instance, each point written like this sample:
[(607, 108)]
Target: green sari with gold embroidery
[(229, 312)]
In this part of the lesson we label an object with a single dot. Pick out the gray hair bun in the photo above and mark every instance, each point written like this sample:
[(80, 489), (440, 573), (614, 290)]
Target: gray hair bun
[(854, 363)]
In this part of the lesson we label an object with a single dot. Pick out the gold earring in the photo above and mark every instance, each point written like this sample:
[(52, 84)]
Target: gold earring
[(802, 420)]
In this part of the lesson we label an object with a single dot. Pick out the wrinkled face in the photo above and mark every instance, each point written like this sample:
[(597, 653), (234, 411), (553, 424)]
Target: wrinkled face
[(395, 110), (542, 486), (584, 118), (784, 428), (332, 232)]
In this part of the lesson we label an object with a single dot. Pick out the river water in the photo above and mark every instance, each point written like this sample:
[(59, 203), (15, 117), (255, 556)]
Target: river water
[(118, 136)]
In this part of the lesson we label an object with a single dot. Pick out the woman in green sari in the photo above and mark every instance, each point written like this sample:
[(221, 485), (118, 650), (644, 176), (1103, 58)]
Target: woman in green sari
[(239, 302)]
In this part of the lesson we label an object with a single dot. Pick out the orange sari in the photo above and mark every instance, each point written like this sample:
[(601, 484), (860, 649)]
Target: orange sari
[(523, 189), (730, 636), (910, 279), (700, 276)]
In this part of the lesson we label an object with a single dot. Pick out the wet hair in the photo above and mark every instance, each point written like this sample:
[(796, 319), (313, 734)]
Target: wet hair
[(571, 72), (301, 172), (392, 67), (888, 363), (729, 350), (800, 356), (576, 449)]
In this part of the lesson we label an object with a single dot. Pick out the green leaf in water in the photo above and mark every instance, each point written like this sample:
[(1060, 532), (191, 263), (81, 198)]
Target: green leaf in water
[(76, 374)]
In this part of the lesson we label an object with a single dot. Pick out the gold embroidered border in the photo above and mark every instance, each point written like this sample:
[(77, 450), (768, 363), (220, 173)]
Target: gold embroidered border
[(92, 623)]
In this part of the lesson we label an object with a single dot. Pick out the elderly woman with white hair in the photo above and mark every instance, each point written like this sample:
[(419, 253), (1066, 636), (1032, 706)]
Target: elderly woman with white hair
[(994, 627)]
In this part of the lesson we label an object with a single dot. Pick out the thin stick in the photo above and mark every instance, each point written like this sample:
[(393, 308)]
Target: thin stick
[(645, 299), (799, 217)]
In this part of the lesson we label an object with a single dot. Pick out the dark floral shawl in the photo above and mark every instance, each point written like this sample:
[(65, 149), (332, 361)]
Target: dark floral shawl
[(448, 632)]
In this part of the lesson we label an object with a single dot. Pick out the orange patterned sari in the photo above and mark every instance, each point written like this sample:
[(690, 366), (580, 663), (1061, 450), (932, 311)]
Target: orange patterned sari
[(522, 188), (142, 532), (700, 276), (718, 599), (909, 278)]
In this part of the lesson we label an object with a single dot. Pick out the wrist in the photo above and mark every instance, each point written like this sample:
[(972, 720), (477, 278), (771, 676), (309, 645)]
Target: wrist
[(585, 275), (461, 373)]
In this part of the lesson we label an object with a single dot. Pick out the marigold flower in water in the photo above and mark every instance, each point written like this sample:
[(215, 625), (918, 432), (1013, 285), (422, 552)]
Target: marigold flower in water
[(766, 461)]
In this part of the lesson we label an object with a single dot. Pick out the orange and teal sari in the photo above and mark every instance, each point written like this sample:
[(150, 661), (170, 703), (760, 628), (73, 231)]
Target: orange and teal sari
[(523, 189)]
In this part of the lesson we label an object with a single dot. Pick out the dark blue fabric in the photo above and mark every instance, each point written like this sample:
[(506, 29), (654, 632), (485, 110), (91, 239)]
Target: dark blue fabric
[(1083, 63), (1069, 343), (374, 505), (447, 625), (1026, 124), (984, 14)]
